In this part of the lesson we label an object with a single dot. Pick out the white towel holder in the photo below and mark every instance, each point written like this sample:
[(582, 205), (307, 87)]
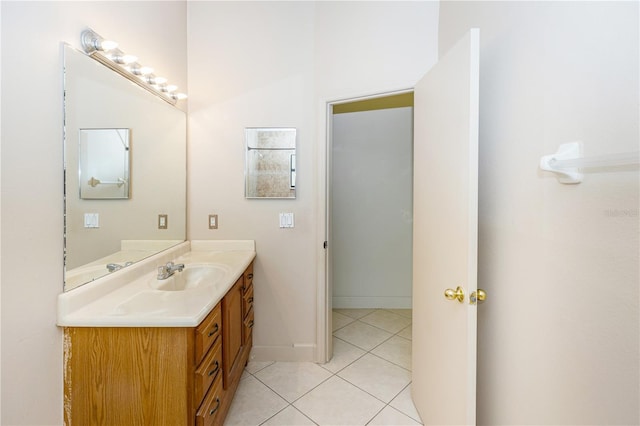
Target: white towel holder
[(567, 163)]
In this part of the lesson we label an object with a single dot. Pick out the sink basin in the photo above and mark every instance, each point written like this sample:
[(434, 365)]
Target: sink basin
[(193, 276)]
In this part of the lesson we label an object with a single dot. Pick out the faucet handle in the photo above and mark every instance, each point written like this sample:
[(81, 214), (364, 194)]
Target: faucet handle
[(162, 272)]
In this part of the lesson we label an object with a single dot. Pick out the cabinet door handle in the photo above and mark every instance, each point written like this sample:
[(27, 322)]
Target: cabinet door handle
[(215, 370), (250, 276), (213, 410), (216, 327), (250, 300), (250, 324)]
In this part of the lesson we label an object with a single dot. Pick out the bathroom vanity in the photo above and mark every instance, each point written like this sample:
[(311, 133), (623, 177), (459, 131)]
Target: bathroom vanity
[(143, 350)]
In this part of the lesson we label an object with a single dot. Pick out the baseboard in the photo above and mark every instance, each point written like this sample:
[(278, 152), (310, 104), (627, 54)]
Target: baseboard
[(298, 352), (383, 302)]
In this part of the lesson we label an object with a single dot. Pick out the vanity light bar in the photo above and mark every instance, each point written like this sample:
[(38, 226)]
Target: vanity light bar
[(107, 53)]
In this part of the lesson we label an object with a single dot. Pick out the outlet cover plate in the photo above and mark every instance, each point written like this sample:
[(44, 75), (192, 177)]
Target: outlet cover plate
[(163, 221)]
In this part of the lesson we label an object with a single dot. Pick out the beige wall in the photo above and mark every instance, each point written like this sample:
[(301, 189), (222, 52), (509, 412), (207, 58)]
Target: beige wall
[(372, 208), (558, 335), (31, 278), (277, 64)]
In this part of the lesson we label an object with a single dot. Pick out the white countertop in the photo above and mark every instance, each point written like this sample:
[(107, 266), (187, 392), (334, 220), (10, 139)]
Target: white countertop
[(129, 300)]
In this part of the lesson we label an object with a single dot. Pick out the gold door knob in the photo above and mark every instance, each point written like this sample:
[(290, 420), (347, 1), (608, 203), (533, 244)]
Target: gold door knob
[(457, 294), (477, 297)]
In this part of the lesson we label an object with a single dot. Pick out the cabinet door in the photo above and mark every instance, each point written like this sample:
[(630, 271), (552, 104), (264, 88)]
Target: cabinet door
[(232, 332)]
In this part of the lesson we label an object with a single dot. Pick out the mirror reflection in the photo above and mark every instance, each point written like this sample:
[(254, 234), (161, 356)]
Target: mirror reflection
[(115, 192), (104, 163), (270, 170)]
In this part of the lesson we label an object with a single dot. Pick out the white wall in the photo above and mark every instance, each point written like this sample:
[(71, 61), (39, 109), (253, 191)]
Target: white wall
[(31, 227), (277, 64), (559, 333), (371, 208)]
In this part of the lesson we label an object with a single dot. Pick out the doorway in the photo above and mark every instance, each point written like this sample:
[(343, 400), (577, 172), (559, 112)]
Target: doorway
[(369, 204)]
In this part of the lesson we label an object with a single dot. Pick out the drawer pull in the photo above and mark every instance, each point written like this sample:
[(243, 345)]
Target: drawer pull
[(216, 327), (213, 410), (215, 370), (250, 276), (250, 300), (250, 324)]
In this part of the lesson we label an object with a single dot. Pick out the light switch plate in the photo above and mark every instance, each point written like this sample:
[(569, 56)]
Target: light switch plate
[(91, 220), (286, 220), (213, 221), (163, 221)]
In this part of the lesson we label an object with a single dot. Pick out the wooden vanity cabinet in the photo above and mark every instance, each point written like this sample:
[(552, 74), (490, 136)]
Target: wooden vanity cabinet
[(237, 305), (247, 305), (157, 375), (233, 337)]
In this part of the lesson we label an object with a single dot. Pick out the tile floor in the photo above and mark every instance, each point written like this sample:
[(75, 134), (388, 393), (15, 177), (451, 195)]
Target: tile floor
[(365, 383)]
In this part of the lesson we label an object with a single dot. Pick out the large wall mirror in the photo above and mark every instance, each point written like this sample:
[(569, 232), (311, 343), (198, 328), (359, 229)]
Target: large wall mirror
[(125, 164)]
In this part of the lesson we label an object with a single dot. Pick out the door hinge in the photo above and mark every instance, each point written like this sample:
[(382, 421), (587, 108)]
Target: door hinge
[(325, 244)]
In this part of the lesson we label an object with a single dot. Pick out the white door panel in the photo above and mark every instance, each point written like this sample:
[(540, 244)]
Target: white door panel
[(445, 235)]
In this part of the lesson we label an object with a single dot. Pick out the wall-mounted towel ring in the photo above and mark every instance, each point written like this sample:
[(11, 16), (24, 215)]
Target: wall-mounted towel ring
[(568, 164)]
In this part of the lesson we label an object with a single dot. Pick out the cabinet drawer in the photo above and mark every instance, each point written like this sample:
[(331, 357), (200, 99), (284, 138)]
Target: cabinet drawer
[(208, 372), (247, 301), (206, 415), (207, 333), (248, 277), (248, 326)]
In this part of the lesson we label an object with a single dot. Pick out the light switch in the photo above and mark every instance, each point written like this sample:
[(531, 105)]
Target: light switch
[(91, 220), (286, 220), (163, 221), (213, 221)]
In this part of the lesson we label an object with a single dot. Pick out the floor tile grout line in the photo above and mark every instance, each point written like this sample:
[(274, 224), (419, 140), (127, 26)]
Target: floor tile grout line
[(336, 373), (295, 408), (370, 351), (379, 357), (366, 323), (295, 400), (370, 394), (406, 414), (325, 380), (367, 352)]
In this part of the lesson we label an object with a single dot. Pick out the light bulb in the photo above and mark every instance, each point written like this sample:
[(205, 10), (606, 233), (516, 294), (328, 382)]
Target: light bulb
[(137, 69), (159, 80), (107, 45), (170, 88), (145, 70), (122, 59), (179, 96), (128, 59)]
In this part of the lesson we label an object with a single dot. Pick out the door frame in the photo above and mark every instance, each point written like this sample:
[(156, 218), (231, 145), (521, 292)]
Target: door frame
[(324, 285)]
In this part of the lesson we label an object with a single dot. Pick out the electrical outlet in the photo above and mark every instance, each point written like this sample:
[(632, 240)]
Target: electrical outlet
[(213, 221), (163, 221)]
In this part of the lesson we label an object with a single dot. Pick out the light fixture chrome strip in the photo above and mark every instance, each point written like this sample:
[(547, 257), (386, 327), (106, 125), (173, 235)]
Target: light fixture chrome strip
[(107, 53)]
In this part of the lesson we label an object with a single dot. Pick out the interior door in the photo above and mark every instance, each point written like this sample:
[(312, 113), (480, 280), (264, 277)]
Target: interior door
[(445, 236)]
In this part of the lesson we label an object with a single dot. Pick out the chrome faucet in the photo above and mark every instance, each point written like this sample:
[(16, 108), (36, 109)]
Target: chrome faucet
[(169, 269), (111, 267)]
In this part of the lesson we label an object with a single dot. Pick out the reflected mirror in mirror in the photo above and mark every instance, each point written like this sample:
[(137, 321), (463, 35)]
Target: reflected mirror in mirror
[(103, 235), (270, 169), (104, 163)]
